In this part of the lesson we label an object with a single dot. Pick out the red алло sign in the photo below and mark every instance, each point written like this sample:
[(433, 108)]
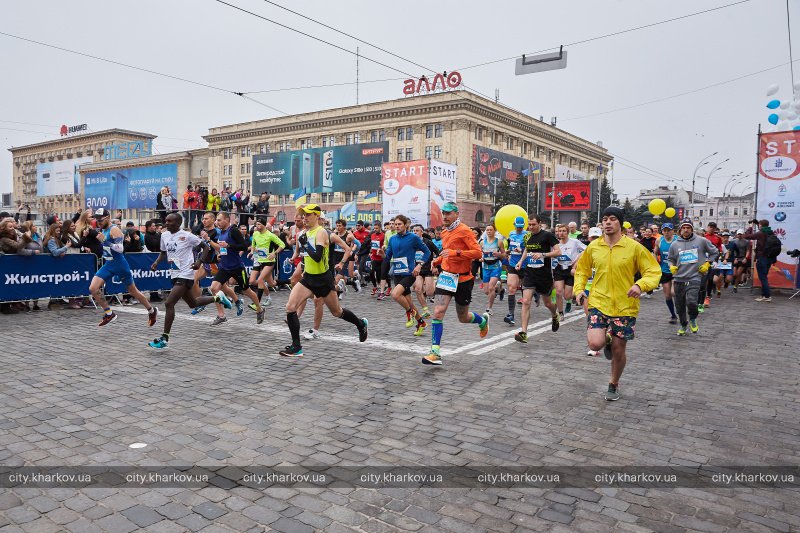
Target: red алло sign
[(440, 81)]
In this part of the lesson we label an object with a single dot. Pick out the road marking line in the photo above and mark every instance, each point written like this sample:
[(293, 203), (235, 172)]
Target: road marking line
[(494, 338), (506, 342)]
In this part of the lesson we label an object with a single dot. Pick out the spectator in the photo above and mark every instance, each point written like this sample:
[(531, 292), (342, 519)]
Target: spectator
[(213, 202), (765, 249), (226, 203), (12, 243), (87, 234), (68, 235), (262, 207), (36, 240), (191, 203), (52, 238), (152, 243), (163, 203), (133, 241)]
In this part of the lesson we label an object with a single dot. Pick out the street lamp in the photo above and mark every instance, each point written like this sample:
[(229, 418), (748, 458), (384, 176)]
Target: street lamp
[(694, 176), (708, 179)]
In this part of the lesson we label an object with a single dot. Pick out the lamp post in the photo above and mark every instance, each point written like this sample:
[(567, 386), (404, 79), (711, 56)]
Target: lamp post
[(708, 185), (694, 176)]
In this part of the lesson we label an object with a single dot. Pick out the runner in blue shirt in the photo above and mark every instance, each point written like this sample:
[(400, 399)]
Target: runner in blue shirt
[(406, 253), (661, 251)]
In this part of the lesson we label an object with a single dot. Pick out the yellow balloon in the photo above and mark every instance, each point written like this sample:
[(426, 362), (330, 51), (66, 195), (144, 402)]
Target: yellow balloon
[(657, 206), (504, 219), (669, 212), (626, 224)]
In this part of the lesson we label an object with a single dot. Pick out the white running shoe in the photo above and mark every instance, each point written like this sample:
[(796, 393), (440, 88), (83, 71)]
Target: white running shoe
[(311, 334), (358, 285)]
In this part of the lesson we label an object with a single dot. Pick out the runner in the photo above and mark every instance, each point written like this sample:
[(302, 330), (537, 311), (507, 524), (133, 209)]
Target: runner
[(402, 254), (424, 285), (614, 299), (337, 256), (707, 286), (376, 257), (317, 280), (741, 259), (265, 247), (493, 253), (690, 258), (662, 256), (459, 249), (229, 245), (564, 269), (594, 234), (724, 266), (115, 266), (514, 255), (540, 246), (208, 232), (385, 283), (299, 253), (177, 246)]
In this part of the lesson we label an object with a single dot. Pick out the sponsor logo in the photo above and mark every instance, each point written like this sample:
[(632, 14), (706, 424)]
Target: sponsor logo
[(778, 168), (780, 216), (771, 205), (782, 190), (391, 186), (780, 232), (371, 151), (440, 81)]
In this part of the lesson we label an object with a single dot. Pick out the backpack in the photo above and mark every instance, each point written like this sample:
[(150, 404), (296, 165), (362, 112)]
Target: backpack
[(772, 247)]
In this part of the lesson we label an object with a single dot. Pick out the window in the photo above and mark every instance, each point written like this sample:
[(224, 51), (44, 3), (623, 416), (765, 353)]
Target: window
[(326, 197), (701, 212), (227, 170), (479, 216), (428, 152), (241, 168), (437, 151), (401, 134), (353, 138), (378, 136), (227, 153), (711, 212), (349, 196), (227, 184), (244, 185), (263, 148), (736, 211), (245, 151), (509, 143), (409, 154), (429, 131), (496, 138), (330, 140), (438, 129), (284, 146), (306, 143), (399, 154), (409, 133), (524, 147), (744, 211), (478, 133)]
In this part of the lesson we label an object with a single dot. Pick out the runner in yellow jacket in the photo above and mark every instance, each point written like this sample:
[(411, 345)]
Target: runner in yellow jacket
[(614, 299)]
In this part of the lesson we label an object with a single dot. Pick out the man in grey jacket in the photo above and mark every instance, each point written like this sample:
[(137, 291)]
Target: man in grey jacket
[(690, 257)]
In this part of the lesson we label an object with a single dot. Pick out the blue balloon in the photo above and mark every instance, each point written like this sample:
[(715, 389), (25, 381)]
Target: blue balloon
[(773, 118), (796, 128), (774, 104)]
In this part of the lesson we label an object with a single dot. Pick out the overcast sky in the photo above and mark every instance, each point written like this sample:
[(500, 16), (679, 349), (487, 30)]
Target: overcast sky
[(208, 42)]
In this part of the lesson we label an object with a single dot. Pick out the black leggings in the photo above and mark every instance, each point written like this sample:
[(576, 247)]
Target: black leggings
[(376, 272)]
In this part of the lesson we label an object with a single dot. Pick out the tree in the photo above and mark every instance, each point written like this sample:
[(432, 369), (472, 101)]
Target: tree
[(606, 196), (514, 192)]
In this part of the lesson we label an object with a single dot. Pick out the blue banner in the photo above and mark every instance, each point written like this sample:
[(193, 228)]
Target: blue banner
[(130, 188), (144, 278), (44, 276)]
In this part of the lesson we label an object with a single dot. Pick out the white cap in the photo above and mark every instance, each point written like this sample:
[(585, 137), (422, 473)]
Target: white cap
[(595, 232)]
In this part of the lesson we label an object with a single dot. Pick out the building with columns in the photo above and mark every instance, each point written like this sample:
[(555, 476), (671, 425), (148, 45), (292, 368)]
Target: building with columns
[(442, 126)]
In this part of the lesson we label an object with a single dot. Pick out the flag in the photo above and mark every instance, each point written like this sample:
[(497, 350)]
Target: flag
[(371, 198), (348, 209), (299, 196)]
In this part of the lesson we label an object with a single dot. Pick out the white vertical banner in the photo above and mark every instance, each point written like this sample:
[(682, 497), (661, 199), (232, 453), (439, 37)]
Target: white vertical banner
[(405, 190), (442, 190)]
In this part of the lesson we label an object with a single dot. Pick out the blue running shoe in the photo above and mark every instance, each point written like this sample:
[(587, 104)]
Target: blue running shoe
[(159, 344), (239, 307), (198, 310), (224, 300)]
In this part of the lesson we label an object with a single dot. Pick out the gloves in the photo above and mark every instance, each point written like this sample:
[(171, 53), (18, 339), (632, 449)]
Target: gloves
[(673, 269), (302, 239), (704, 267)]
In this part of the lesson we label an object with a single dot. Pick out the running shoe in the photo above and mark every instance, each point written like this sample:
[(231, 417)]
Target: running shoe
[(381, 297), (719, 293), (509, 319), (219, 320), (357, 284), (340, 285), (433, 358), (484, 325), (673, 320), (735, 289), (521, 337), (536, 298), (561, 315), (107, 319), (239, 307), (502, 294), (701, 308), (682, 331), (409, 319), (198, 310), (707, 301), (568, 307), (151, 317), (291, 351), (159, 343), (267, 302), (374, 291), (260, 316), (426, 313), (612, 394), (607, 348), (387, 292), (362, 332), (764, 299), (592, 353), (224, 300), (556, 323), (311, 334), (693, 325), (421, 325), (253, 307)]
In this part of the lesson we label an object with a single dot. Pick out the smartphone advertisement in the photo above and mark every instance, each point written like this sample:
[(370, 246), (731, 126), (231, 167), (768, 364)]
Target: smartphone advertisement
[(354, 167), (59, 177), (129, 188)]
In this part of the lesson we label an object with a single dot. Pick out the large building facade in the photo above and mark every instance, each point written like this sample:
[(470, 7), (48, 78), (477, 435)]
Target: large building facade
[(63, 153), (443, 126)]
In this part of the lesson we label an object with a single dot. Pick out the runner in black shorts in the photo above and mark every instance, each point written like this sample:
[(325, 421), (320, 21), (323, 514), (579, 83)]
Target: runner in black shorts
[(425, 284), (401, 255)]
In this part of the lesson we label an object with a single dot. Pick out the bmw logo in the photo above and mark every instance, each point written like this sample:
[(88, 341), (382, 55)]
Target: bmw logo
[(780, 216)]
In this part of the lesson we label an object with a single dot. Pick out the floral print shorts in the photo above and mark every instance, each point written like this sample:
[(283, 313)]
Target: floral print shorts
[(618, 326)]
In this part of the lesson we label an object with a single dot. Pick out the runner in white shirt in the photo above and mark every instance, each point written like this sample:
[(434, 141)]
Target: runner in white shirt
[(177, 246), (564, 267)]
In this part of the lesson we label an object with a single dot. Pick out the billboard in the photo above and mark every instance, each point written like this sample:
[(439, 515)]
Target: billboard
[(569, 195), (442, 189), (129, 188), (59, 177), (778, 199), (564, 173), (490, 167), (353, 167), (405, 190)]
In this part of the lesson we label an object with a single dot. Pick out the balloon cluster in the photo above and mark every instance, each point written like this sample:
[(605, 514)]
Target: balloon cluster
[(785, 115), (657, 206)]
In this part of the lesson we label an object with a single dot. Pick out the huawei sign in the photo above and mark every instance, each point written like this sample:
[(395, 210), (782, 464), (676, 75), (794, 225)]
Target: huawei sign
[(64, 130)]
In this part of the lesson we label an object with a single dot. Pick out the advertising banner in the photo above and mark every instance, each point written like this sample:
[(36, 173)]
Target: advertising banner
[(59, 177), (569, 195), (443, 189), (490, 167), (130, 188), (564, 173), (405, 190), (778, 199), (43, 276), (353, 167)]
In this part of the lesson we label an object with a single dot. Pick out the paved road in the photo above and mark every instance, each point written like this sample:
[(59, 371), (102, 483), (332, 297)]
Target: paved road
[(76, 396)]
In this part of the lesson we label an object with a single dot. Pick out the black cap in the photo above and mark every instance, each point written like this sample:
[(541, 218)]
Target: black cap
[(129, 224), (613, 211), (52, 219)]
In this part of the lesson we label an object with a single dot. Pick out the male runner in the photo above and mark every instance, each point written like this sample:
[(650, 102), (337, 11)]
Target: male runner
[(493, 253), (539, 246), (337, 256), (459, 249), (115, 265), (177, 246), (264, 249), (424, 285), (317, 280), (740, 259), (208, 232), (230, 266), (406, 265), (662, 256), (376, 258), (385, 288), (707, 286), (564, 268), (615, 259), (690, 258), (515, 241), (725, 264)]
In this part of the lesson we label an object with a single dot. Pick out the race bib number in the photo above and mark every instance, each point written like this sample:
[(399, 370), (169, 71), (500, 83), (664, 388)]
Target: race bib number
[(447, 281), (400, 265), (223, 250), (489, 256), (564, 260), (174, 263), (534, 263), (337, 248), (724, 266), (262, 253), (418, 256), (375, 245), (687, 257)]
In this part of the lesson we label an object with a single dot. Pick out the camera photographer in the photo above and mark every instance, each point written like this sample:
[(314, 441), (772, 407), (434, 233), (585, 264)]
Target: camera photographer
[(133, 241)]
